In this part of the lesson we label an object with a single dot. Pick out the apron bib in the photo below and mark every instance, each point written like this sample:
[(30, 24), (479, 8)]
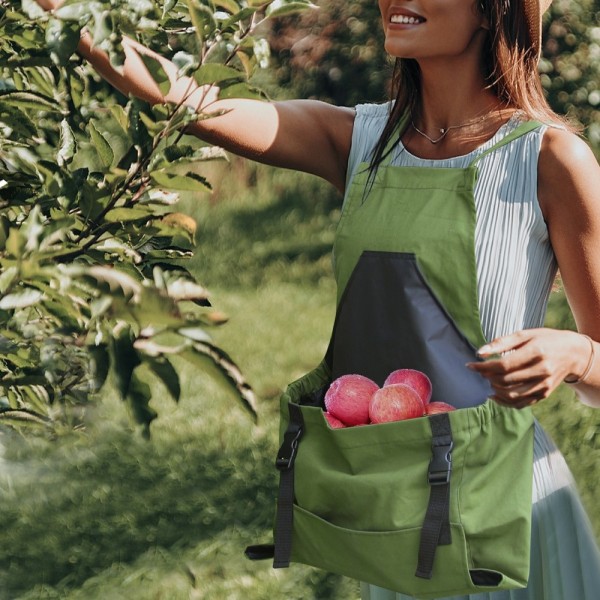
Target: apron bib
[(433, 506)]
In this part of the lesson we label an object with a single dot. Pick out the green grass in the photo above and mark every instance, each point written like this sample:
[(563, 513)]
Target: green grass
[(104, 514)]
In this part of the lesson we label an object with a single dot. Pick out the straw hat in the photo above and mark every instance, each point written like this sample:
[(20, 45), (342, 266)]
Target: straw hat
[(534, 9)]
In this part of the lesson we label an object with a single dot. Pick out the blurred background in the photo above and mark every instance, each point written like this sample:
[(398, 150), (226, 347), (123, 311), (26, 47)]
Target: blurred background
[(104, 513)]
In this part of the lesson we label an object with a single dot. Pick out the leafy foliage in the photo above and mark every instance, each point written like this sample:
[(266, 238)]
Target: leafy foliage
[(91, 280), (570, 66)]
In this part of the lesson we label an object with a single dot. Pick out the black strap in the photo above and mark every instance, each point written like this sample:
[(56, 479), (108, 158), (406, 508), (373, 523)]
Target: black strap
[(285, 502), (436, 526), (260, 551)]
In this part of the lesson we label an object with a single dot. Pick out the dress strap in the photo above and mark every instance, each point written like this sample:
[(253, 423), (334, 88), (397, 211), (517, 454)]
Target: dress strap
[(513, 135)]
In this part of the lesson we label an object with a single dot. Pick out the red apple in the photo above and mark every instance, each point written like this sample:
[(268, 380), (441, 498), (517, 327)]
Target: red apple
[(433, 408), (417, 380), (395, 402), (333, 422), (348, 398)]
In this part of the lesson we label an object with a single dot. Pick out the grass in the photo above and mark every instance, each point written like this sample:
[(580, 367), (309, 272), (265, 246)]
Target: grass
[(105, 514)]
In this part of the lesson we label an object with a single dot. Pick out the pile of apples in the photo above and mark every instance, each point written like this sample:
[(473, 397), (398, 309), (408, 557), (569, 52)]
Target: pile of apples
[(357, 400)]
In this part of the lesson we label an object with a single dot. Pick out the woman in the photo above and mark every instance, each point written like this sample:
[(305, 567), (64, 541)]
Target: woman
[(466, 78)]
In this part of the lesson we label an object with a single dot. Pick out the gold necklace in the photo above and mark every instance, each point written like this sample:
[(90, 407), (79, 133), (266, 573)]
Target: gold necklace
[(444, 130)]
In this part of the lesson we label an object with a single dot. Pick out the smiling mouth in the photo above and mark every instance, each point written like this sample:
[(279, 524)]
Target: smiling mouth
[(406, 19)]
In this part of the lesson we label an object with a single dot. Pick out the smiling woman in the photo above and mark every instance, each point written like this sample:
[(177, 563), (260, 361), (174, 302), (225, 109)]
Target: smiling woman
[(462, 197)]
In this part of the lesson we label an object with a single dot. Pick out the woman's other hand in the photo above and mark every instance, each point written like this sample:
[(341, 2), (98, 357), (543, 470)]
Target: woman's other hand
[(528, 365)]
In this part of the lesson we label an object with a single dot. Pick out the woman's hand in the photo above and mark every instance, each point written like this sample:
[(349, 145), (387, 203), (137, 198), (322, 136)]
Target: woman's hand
[(50, 4), (532, 363)]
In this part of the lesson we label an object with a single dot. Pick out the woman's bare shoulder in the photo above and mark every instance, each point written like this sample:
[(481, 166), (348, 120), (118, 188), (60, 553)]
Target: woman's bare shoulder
[(564, 153), (568, 172)]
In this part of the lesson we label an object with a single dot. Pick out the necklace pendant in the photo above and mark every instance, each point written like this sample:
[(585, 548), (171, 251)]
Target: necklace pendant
[(442, 131)]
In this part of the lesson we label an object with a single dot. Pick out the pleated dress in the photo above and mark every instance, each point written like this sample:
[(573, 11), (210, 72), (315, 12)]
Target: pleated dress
[(516, 267)]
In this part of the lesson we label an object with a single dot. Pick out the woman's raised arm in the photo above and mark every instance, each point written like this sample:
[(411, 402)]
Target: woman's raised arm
[(305, 135)]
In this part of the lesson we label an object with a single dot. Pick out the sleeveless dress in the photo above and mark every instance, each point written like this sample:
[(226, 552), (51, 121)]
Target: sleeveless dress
[(515, 270)]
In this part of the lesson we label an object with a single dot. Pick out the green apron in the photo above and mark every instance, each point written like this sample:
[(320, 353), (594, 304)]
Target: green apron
[(433, 506)]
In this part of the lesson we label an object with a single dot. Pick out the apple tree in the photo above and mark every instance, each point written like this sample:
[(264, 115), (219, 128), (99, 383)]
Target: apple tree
[(93, 279)]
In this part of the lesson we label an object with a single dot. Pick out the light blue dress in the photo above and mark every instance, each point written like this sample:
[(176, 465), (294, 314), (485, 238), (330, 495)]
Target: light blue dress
[(515, 269)]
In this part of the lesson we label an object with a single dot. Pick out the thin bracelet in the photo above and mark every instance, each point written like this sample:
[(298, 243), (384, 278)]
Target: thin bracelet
[(590, 364)]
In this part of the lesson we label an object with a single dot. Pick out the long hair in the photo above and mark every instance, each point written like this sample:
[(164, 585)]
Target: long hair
[(510, 68)]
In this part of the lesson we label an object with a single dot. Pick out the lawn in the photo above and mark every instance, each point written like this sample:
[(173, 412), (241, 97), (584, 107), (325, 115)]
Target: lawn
[(105, 514)]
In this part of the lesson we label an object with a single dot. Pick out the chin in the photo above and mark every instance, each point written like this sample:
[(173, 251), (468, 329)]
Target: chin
[(395, 50)]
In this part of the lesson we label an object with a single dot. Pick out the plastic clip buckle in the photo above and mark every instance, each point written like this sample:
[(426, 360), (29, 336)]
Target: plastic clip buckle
[(287, 452), (440, 466)]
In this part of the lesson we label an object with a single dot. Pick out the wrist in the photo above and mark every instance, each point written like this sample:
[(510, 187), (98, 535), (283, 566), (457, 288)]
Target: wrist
[(584, 362)]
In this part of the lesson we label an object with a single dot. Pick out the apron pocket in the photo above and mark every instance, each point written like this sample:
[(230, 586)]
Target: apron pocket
[(384, 558)]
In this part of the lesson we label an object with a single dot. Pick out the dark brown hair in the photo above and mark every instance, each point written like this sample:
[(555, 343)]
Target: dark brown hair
[(510, 67)]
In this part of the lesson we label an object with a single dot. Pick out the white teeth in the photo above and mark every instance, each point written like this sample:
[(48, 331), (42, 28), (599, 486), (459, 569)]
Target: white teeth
[(405, 19)]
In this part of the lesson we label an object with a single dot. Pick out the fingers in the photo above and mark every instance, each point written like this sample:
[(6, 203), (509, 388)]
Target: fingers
[(522, 395), (508, 343), (521, 368)]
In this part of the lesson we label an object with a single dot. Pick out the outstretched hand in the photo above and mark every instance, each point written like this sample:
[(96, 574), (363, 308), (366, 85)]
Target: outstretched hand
[(50, 4), (528, 365)]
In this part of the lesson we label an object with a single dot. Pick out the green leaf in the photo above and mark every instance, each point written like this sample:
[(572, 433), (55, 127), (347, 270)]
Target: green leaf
[(66, 143), (125, 360), (99, 366), (122, 215), (22, 417), (29, 101), (183, 289), (15, 244), (6, 345), (32, 9), (115, 279), (138, 399), (7, 278), (212, 73), (62, 39), (103, 24), (229, 5), (21, 125), (168, 6), (280, 8), (195, 333), (240, 90), (186, 63), (73, 11), (167, 374), (101, 145), (190, 181), (241, 15), (28, 297), (157, 72), (203, 21), (216, 362)]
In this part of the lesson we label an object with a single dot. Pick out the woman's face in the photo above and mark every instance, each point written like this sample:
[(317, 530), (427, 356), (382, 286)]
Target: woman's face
[(430, 28)]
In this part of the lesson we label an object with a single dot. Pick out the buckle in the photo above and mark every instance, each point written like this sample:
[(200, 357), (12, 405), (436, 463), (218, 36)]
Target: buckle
[(440, 465), (287, 452)]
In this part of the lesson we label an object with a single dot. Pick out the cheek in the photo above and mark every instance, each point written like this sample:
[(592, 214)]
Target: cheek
[(382, 11), (455, 31)]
